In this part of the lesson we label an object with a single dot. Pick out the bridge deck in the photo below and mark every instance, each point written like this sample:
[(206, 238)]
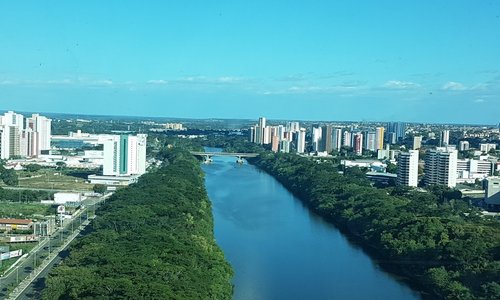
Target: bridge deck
[(224, 154)]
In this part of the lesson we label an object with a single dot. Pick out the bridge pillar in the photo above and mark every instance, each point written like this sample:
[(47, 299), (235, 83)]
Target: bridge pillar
[(240, 160), (208, 159)]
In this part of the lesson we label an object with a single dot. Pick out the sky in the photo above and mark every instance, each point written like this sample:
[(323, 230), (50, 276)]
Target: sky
[(415, 61)]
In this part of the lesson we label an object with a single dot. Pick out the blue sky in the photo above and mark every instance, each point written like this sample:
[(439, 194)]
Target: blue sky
[(433, 61)]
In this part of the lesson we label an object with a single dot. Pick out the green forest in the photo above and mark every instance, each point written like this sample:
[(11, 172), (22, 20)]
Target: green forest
[(152, 240), (435, 240)]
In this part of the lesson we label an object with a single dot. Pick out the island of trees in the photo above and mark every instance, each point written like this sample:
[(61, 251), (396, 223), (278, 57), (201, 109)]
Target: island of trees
[(152, 240)]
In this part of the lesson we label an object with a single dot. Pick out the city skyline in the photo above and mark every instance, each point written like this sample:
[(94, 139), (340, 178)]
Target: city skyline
[(327, 61)]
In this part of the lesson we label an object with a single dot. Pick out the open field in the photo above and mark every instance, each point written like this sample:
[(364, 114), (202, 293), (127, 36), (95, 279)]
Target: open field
[(24, 210), (52, 179)]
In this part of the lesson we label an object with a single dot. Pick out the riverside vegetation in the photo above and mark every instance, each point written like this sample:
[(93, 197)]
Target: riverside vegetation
[(152, 240), (435, 240)]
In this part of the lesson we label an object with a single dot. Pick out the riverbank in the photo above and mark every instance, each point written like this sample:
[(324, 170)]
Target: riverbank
[(151, 240), (411, 235)]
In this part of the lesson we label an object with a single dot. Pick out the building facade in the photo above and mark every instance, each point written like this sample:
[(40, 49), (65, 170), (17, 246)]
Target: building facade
[(125, 155), (441, 167), (408, 168)]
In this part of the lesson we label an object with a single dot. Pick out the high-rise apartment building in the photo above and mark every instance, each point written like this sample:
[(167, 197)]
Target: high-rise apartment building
[(337, 139), (492, 186), (463, 145), (267, 135), (252, 134), (347, 142), (379, 138), (124, 155), (258, 133), (441, 167), (370, 141), (444, 140), (13, 125), (316, 138), (408, 168), (285, 146), (275, 143), (326, 138), (4, 142), (399, 129), (417, 142), (42, 126), (301, 140), (487, 147), (358, 143), (24, 138)]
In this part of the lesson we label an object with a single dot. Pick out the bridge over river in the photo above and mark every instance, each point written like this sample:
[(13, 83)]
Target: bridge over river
[(208, 155)]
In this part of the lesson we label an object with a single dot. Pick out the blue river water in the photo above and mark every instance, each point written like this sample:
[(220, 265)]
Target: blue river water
[(279, 250)]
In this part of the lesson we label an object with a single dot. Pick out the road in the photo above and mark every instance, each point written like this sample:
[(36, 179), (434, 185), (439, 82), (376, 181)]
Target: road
[(42, 251), (45, 190)]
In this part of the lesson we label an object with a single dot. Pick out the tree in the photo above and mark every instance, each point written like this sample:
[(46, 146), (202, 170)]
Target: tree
[(100, 188), (60, 165), (33, 168), (391, 168), (9, 177)]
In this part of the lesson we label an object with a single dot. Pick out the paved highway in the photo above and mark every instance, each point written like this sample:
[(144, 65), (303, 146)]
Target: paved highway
[(42, 251)]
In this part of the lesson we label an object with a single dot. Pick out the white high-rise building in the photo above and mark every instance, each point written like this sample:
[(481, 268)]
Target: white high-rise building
[(13, 125), (4, 141), (463, 145), (492, 185), (301, 140), (43, 127), (408, 168), (262, 127), (316, 138), (347, 139), (292, 127), (124, 155), (487, 147), (252, 134), (337, 138), (441, 167), (267, 135), (445, 138), (12, 119), (370, 140)]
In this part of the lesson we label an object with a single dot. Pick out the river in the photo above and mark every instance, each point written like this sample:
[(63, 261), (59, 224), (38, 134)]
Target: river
[(279, 250)]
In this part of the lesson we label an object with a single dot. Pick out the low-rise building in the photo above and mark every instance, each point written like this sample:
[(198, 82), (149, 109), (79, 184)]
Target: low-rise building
[(113, 180), (15, 224), (66, 198)]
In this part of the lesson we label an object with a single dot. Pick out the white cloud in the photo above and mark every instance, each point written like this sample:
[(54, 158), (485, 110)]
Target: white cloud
[(57, 81), (453, 86), (333, 89), (7, 82), (211, 80), (229, 79), (103, 82), (479, 100), (157, 81), (401, 85)]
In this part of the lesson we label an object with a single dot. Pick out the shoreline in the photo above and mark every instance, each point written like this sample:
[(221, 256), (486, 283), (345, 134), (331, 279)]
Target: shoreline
[(371, 251)]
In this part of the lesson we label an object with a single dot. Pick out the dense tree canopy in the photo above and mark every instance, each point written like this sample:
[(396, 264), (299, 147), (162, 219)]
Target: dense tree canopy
[(152, 240)]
